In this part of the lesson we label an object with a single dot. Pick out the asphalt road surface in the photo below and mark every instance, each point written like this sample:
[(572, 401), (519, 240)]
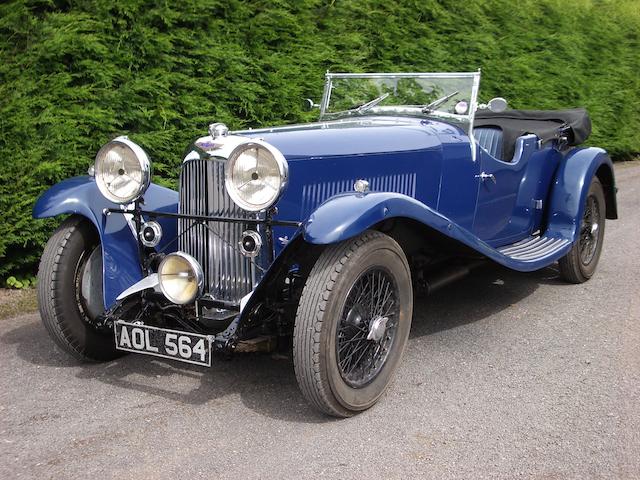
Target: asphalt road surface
[(506, 375)]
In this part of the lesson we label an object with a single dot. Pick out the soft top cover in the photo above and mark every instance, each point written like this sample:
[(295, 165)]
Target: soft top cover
[(546, 124)]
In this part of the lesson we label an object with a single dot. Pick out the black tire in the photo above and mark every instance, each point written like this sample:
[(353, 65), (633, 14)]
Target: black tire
[(63, 310), (580, 263), (323, 323)]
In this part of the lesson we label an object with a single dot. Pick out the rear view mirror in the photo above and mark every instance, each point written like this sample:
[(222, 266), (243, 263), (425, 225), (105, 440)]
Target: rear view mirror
[(497, 104), (309, 105)]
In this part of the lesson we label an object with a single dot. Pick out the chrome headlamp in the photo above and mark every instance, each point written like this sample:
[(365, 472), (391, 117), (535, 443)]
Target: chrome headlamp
[(180, 278), (255, 175), (122, 170)]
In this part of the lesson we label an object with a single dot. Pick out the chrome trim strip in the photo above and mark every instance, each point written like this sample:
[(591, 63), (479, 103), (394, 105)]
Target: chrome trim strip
[(403, 75), (148, 282), (244, 300)]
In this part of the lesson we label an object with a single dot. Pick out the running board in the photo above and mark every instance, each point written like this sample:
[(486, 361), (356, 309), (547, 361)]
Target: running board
[(533, 249)]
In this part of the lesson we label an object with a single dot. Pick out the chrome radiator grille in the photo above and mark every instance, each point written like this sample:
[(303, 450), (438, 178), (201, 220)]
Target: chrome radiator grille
[(228, 274)]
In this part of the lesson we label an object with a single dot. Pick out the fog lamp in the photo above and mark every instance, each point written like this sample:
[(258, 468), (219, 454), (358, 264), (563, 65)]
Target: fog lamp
[(180, 277)]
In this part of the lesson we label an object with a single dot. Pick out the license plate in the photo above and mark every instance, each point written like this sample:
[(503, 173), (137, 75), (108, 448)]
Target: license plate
[(162, 342)]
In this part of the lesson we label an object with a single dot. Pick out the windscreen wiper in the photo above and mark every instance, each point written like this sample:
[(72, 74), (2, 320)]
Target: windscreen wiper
[(365, 106), (436, 103), (369, 105)]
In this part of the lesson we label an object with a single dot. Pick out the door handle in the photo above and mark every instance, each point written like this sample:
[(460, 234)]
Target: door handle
[(485, 176)]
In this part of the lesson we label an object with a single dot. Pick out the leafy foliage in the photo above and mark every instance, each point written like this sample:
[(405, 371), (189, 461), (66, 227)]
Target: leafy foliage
[(75, 73), (22, 283)]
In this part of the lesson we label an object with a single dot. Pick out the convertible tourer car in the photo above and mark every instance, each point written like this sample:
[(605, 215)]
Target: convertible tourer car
[(314, 237)]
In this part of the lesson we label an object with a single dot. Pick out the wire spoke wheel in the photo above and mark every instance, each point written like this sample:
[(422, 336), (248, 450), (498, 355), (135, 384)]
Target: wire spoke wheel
[(580, 263), (353, 323), (367, 327), (589, 233)]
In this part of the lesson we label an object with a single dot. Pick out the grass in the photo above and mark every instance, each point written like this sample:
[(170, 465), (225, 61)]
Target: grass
[(17, 302)]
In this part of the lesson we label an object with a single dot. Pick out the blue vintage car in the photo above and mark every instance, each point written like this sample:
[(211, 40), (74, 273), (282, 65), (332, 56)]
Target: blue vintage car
[(315, 237)]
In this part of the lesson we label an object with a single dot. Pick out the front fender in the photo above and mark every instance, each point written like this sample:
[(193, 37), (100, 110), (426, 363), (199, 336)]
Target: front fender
[(346, 215), (571, 186), (121, 260)]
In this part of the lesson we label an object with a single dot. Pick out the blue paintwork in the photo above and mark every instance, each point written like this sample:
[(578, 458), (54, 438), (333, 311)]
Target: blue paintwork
[(506, 212), (347, 215), (121, 261), (458, 184), (326, 158), (417, 168), (401, 155), (570, 188)]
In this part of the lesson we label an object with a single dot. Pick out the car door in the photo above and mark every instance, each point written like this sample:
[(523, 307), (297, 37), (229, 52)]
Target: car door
[(511, 195)]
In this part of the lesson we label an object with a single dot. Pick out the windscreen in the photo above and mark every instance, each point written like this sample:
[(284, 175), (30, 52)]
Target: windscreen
[(451, 96)]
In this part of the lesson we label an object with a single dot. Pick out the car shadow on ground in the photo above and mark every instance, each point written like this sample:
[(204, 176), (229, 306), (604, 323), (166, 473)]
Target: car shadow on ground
[(485, 292), (266, 383)]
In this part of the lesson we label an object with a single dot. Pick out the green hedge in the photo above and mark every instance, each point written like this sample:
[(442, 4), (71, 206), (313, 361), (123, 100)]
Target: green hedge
[(73, 74)]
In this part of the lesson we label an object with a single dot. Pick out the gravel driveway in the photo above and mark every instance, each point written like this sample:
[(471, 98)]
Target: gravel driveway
[(506, 375)]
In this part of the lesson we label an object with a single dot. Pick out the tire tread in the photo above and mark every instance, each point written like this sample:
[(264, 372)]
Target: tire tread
[(49, 304), (310, 316), (570, 265)]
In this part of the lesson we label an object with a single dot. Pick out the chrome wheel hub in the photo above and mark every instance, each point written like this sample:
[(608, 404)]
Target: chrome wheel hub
[(377, 328)]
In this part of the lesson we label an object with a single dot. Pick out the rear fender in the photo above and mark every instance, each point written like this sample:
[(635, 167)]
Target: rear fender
[(121, 259), (571, 186)]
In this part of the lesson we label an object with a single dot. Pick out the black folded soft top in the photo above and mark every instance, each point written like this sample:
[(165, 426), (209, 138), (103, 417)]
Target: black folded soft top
[(546, 124)]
